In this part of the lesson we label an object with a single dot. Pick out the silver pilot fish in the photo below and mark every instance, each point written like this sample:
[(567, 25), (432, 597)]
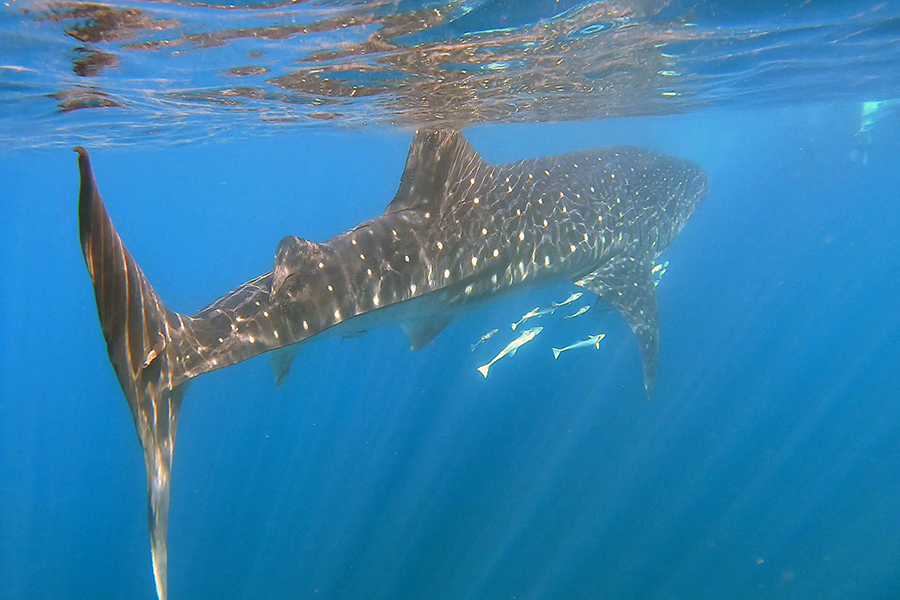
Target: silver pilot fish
[(572, 298), (578, 312), (592, 340), (485, 338), (533, 314), (512, 348)]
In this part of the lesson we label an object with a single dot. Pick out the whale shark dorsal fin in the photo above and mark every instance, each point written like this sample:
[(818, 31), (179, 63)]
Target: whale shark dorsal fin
[(627, 284), (437, 158)]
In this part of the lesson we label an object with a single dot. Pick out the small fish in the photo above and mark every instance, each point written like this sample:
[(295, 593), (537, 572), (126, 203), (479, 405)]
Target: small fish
[(592, 340), (534, 313), (658, 271), (511, 348), (484, 338), (354, 334), (575, 296), (579, 312)]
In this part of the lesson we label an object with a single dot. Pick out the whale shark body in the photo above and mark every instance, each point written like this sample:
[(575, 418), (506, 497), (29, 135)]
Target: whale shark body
[(459, 231)]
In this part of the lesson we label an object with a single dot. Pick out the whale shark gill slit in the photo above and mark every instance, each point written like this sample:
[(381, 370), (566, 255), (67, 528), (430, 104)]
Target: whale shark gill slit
[(458, 232)]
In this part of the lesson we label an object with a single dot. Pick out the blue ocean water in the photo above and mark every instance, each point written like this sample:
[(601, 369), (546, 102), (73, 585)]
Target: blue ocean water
[(766, 464)]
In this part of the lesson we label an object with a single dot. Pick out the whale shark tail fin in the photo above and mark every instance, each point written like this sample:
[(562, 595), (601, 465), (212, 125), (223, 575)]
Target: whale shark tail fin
[(143, 340)]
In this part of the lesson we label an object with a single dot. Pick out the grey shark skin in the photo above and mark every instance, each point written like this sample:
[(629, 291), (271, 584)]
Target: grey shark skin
[(458, 231)]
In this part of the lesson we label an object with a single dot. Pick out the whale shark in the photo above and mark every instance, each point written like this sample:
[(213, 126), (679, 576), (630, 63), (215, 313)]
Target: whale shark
[(458, 232)]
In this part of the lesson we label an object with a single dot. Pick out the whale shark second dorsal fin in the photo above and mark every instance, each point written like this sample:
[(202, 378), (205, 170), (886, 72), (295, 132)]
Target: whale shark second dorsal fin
[(437, 158), (292, 257)]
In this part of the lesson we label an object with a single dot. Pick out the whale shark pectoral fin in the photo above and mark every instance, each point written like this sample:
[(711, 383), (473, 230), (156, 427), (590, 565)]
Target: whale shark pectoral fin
[(280, 361), (420, 333), (626, 284), (436, 157)]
